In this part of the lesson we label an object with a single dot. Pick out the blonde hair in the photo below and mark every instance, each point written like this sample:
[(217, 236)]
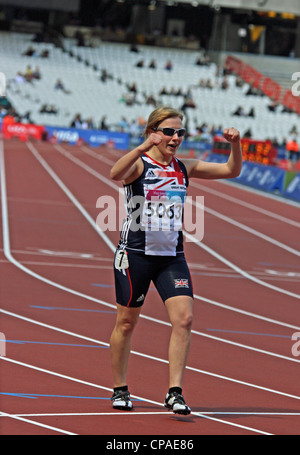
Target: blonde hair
[(159, 115)]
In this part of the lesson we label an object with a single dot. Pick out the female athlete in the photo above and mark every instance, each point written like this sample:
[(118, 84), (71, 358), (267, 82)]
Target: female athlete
[(151, 244)]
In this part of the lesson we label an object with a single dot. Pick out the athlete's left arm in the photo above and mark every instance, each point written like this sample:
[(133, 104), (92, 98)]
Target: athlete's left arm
[(231, 169)]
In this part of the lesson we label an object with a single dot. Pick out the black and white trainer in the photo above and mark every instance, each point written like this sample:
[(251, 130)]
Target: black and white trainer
[(121, 400), (174, 401)]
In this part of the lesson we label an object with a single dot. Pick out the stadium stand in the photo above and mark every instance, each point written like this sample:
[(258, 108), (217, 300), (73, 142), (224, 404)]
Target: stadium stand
[(98, 82)]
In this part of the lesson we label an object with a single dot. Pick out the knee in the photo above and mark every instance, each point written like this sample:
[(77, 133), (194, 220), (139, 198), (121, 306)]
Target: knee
[(126, 326), (188, 321), (185, 322)]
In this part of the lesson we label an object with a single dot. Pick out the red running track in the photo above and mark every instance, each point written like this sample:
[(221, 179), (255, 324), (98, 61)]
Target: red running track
[(58, 307)]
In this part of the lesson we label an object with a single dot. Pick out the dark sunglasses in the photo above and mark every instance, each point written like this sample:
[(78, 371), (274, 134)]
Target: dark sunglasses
[(171, 131)]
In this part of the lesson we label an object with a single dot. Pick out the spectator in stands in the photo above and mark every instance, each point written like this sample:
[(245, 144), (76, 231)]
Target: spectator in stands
[(179, 92), (239, 112), (164, 91), (60, 86), (26, 118), (44, 53), (200, 60), (103, 76), (140, 64), (224, 84), (283, 142), (132, 87), (28, 74), (45, 109), (239, 82), (292, 147), (19, 78), (169, 65), (134, 129), (217, 131), (30, 52), (79, 39), (76, 122), (52, 110), (103, 124), (150, 100), (294, 130), (85, 124), (248, 133), (3, 112), (251, 113), (36, 74), (288, 110), (152, 64), (188, 103), (123, 125), (209, 84), (254, 91), (134, 48), (203, 60), (273, 106)]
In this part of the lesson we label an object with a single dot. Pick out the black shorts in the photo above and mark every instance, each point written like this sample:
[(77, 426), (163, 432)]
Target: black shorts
[(170, 275)]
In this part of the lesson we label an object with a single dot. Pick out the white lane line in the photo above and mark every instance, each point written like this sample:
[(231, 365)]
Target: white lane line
[(146, 356), (68, 193), (38, 424), (99, 176), (233, 199), (239, 270), (26, 270), (7, 243), (88, 414), (190, 237), (70, 378), (7, 247), (248, 205), (128, 414), (251, 231)]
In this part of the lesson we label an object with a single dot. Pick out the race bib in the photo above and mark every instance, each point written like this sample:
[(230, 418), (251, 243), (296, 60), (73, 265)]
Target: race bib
[(163, 210), (121, 260)]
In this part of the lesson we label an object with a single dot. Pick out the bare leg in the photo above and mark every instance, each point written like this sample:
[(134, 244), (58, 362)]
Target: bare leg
[(120, 342), (180, 311)]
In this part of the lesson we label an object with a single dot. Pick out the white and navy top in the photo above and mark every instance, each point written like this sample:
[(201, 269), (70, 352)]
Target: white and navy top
[(154, 204)]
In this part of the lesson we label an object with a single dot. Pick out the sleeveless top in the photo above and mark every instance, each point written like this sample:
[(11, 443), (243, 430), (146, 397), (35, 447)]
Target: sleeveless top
[(154, 205)]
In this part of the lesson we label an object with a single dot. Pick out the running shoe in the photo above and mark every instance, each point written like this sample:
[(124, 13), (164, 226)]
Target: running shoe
[(175, 402), (121, 400)]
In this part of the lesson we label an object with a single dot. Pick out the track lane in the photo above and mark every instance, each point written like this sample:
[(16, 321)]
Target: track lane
[(90, 169)]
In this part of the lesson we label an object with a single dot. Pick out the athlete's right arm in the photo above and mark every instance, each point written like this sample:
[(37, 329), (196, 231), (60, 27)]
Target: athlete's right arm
[(130, 167)]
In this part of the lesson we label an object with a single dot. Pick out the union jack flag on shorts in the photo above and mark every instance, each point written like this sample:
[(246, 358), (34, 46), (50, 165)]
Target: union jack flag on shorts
[(182, 283)]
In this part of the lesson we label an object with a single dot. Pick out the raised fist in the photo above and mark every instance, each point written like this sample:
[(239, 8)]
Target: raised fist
[(155, 139), (231, 135)]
